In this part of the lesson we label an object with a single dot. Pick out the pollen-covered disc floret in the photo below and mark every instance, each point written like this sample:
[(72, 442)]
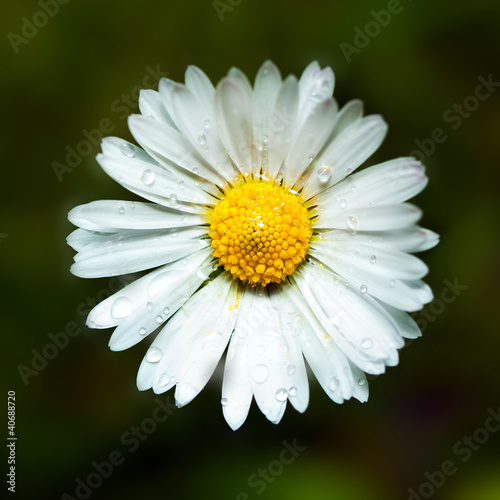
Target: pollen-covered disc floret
[(260, 232)]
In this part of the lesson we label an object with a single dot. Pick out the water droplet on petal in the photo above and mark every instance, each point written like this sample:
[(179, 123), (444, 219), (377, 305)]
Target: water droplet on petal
[(132, 204), (128, 150), (206, 124), (373, 259), (310, 158), (343, 203), (361, 381), (121, 210), (195, 169), (290, 370), (174, 233), (265, 139), (260, 373), (164, 380), (324, 174), (363, 288), (292, 392), (202, 139), (166, 310), (154, 354), (224, 402), (281, 394), (149, 306), (121, 308), (142, 331), (148, 177), (159, 319), (366, 343), (392, 283), (334, 383), (352, 222), (174, 202)]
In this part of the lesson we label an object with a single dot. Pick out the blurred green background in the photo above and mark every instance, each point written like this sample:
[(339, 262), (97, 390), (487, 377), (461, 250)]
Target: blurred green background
[(83, 65)]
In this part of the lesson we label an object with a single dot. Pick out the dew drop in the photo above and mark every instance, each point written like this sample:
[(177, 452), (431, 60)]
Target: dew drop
[(361, 381), (265, 139), (195, 169), (392, 283), (281, 394), (174, 202), (310, 158), (128, 150), (181, 184), (148, 177), (373, 259), (202, 139), (334, 383), (224, 402), (260, 373), (121, 307), (159, 319), (153, 355), (174, 233), (164, 380), (184, 220), (149, 306), (363, 288), (324, 174), (352, 222), (206, 124), (132, 204), (366, 343), (292, 392), (343, 203), (142, 331), (290, 370), (166, 311), (121, 210), (172, 380)]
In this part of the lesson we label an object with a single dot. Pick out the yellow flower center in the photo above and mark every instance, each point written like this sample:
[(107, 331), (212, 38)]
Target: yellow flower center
[(260, 232)]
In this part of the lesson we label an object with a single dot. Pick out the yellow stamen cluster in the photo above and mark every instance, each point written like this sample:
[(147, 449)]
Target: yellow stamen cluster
[(260, 232)]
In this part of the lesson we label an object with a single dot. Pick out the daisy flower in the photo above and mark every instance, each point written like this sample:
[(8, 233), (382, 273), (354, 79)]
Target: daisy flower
[(263, 241)]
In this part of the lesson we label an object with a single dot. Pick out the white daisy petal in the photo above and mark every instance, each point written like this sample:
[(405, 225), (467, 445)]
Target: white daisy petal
[(266, 352), (131, 251), (199, 126), (296, 374), (359, 329), (151, 104), (202, 363), (345, 153), (233, 113), (350, 113), (397, 265), (412, 239), (266, 89), (200, 86), (328, 363), (277, 138), (113, 310), (308, 139), (388, 183), (376, 218), (167, 146), (166, 293), (111, 215), (183, 335), (142, 175), (237, 386)]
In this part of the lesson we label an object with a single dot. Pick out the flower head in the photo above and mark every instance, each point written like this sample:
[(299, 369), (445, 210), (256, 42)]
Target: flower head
[(262, 239)]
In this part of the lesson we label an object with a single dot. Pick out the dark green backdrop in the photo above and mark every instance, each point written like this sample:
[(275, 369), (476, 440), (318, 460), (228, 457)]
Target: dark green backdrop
[(80, 71)]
